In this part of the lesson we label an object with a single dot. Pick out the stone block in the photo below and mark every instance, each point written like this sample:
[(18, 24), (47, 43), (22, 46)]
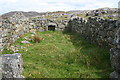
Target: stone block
[(115, 75), (12, 65)]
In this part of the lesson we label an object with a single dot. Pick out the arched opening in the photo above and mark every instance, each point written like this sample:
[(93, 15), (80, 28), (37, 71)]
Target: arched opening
[(51, 27)]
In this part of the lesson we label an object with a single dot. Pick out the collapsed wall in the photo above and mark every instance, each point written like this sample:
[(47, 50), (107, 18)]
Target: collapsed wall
[(103, 32)]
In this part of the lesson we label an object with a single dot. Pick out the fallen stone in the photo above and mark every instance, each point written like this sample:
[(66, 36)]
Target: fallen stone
[(115, 75), (25, 42), (27, 39), (14, 48)]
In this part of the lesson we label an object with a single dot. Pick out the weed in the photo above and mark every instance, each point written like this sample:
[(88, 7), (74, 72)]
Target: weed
[(36, 38)]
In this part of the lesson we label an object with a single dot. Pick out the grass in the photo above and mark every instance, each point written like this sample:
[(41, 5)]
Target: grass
[(63, 55)]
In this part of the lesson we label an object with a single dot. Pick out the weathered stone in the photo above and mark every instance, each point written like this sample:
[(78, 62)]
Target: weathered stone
[(27, 38), (115, 75), (115, 59), (14, 48), (12, 66), (1, 48), (117, 39), (115, 56), (25, 42)]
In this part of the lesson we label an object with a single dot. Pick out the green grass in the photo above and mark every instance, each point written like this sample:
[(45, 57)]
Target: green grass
[(63, 55)]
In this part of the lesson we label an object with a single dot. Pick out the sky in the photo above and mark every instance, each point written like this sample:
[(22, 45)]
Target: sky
[(54, 5)]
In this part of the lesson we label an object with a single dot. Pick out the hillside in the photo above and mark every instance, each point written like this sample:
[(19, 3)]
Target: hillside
[(26, 14), (105, 12)]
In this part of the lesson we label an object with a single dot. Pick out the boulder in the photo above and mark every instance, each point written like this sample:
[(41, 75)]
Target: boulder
[(115, 56), (117, 39), (11, 66), (115, 75), (115, 59)]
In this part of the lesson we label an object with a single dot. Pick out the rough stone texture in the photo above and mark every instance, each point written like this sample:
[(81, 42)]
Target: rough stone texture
[(103, 11), (96, 30), (12, 66), (17, 25), (115, 75), (103, 32), (115, 56), (115, 59)]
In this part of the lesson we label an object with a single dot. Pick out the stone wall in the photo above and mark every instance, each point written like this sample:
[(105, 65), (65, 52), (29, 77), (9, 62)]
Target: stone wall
[(103, 32), (115, 56), (96, 30), (103, 11), (12, 28)]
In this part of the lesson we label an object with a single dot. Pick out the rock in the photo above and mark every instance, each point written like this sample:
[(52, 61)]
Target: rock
[(14, 48), (25, 42), (115, 56), (117, 39), (27, 39), (115, 75), (115, 59), (32, 31), (22, 47), (12, 65), (1, 48)]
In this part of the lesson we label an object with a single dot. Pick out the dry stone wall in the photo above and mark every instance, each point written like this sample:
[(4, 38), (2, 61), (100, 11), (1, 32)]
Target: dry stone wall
[(12, 28), (103, 32), (96, 30), (115, 56)]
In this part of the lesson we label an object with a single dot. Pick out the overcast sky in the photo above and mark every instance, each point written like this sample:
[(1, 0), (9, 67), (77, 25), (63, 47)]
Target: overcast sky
[(54, 5)]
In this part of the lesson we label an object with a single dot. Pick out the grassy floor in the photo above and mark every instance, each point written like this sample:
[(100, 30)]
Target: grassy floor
[(63, 55)]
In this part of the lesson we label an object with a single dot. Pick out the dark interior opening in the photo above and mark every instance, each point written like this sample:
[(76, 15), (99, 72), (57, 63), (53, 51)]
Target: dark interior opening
[(51, 27)]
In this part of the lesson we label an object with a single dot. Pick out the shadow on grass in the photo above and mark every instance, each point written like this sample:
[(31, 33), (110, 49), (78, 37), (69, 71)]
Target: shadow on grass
[(90, 55)]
